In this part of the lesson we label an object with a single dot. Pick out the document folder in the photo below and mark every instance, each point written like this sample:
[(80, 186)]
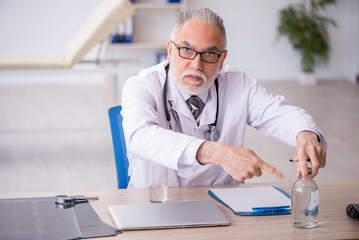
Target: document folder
[(254, 201), (41, 218)]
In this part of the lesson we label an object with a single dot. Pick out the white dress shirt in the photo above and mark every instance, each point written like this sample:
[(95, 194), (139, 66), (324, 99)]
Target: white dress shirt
[(242, 101)]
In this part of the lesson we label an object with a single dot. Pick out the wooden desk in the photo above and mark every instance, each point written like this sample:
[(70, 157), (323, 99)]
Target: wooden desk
[(335, 195)]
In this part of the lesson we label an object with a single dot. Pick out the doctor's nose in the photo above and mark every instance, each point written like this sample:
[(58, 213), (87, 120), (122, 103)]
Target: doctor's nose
[(196, 63)]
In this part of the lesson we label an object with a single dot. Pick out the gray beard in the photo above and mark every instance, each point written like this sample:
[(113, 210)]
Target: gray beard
[(179, 82)]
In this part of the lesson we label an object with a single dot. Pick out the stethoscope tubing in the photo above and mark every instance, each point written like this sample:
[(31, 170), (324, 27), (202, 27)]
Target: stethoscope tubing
[(211, 134)]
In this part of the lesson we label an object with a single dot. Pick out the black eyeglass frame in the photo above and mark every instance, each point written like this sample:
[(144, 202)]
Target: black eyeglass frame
[(200, 53)]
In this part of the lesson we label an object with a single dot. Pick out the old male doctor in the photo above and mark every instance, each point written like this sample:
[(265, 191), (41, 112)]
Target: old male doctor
[(189, 114)]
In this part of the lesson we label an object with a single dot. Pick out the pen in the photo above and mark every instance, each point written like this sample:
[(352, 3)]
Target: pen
[(297, 160), (270, 209)]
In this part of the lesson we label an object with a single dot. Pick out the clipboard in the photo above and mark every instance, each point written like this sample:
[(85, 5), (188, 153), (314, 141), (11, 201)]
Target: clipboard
[(254, 201)]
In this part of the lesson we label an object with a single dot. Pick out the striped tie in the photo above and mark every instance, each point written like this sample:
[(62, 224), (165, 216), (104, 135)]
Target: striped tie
[(196, 106)]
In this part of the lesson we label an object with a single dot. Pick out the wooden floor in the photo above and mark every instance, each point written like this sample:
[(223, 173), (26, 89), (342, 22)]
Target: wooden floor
[(57, 137)]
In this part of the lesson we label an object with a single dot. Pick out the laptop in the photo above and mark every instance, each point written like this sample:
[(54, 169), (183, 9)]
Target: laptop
[(167, 215)]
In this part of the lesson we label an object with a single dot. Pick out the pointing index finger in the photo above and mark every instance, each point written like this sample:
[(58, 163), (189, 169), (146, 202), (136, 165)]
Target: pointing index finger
[(270, 169)]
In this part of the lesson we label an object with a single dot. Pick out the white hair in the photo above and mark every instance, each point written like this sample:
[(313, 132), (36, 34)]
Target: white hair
[(204, 15)]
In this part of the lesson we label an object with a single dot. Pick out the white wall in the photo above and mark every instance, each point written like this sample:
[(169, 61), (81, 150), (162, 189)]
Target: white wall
[(41, 25), (47, 25), (254, 48), (356, 40)]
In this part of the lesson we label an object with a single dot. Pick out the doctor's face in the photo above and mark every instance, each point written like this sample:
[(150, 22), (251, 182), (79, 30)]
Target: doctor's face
[(195, 76)]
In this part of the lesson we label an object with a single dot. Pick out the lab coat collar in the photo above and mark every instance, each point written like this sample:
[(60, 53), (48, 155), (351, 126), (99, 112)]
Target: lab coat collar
[(175, 97), (179, 105)]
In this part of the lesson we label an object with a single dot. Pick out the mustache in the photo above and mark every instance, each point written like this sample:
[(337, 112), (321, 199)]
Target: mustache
[(194, 73)]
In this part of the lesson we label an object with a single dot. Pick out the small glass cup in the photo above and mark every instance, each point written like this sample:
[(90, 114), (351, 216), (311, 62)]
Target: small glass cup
[(158, 183)]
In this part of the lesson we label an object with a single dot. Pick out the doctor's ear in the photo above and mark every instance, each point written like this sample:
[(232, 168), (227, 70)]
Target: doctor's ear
[(169, 49), (224, 55)]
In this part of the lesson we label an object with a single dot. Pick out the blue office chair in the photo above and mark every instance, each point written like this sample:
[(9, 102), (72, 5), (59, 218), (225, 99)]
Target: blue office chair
[(119, 146)]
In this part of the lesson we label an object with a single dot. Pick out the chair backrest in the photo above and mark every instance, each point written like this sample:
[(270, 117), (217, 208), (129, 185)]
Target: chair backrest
[(119, 146)]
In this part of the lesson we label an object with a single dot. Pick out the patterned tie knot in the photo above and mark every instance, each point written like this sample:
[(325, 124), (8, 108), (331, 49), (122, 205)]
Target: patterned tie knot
[(196, 106)]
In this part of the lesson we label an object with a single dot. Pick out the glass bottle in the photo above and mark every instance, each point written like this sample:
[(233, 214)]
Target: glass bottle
[(305, 203)]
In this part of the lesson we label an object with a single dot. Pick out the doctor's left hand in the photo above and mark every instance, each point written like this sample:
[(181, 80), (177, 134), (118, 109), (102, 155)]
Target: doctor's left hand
[(308, 147), (239, 162)]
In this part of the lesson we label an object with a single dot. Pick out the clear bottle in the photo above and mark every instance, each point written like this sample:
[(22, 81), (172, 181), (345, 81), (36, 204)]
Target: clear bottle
[(305, 203)]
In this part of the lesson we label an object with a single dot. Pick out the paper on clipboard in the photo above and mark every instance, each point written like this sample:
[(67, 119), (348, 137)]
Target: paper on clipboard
[(254, 200)]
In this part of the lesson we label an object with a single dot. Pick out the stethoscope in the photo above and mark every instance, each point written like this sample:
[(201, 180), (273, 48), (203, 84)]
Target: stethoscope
[(212, 134), (65, 201)]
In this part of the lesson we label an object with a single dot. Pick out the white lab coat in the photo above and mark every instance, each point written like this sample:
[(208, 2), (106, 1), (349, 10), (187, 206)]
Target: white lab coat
[(242, 101)]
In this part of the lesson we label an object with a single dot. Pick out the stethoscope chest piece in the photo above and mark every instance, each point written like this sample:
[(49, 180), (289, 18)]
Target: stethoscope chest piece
[(212, 134)]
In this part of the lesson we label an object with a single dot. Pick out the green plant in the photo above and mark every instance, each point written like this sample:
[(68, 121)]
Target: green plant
[(307, 31)]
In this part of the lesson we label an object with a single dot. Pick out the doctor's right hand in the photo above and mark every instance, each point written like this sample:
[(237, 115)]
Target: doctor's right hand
[(239, 162)]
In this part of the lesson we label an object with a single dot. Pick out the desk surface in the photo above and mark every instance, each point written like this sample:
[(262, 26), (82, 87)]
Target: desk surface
[(335, 195)]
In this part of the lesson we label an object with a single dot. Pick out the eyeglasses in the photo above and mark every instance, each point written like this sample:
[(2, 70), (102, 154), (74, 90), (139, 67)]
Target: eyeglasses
[(189, 53)]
